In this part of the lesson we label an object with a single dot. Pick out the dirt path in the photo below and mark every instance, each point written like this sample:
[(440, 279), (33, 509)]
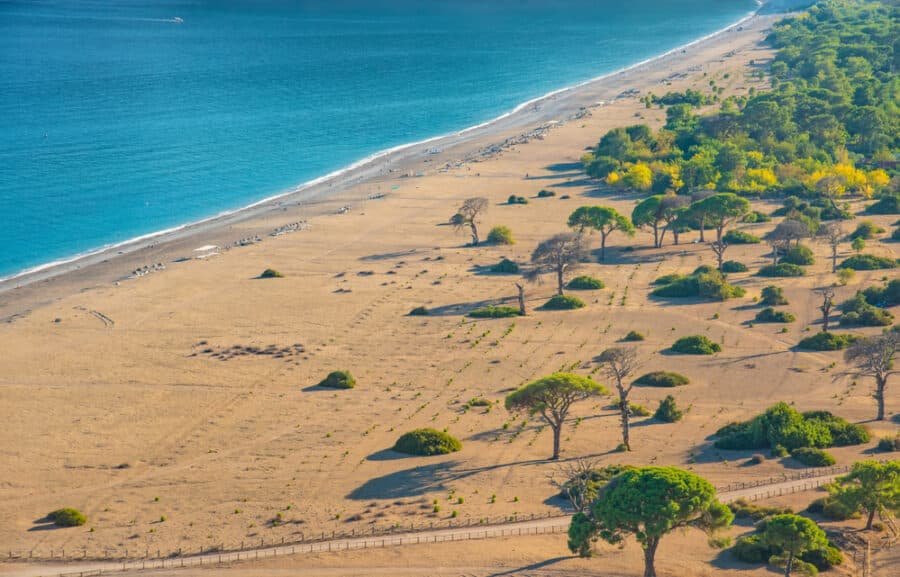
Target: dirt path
[(548, 525)]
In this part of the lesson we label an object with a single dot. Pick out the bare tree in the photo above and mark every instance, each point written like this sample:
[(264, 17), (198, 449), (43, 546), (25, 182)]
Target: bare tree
[(521, 289), (573, 479), (468, 214), (719, 249), (832, 233), (558, 254), (826, 306), (874, 357), (786, 232), (618, 363)]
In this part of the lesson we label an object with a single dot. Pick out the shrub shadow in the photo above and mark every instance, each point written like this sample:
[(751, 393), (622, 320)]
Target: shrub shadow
[(390, 255), (388, 455)]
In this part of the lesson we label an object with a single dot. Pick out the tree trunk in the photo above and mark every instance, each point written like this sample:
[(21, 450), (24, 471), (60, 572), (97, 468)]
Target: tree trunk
[(870, 520), (650, 558), (826, 317), (557, 430), (623, 410), (702, 226), (880, 385), (789, 565), (719, 230), (602, 246), (559, 281), (675, 234), (834, 259), (522, 310), (474, 233), (655, 235), (662, 236)]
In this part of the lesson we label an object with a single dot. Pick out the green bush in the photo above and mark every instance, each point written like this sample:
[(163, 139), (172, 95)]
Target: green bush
[(634, 409), (755, 216), (744, 509), (827, 342), (67, 517), (859, 313), (704, 269), (886, 296), (866, 230), (868, 262), (733, 266), (783, 427), (426, 442), (546, 194), (770, 315), (633, 336), (703, 282), (513, 199), (662, 379), (888, 444), (419, 312), (813, 457), (500, 235), (594, 480), (823, 559), (271, 273), (773, 296), (338, 380), (696, 345), (563, 303), (494, 312), (895, 235), (831, 508), (478, 402), (740, 237), (505, 266), (782, 270), (889, 204), (667, 411), (585, 283), (751, 549), (799, 255), (668, 279)]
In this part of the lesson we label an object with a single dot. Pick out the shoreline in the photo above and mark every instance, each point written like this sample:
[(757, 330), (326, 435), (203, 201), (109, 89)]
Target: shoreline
[(442, 152)]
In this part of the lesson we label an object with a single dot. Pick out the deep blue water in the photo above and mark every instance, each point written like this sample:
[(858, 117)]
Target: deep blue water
[(117, 122)]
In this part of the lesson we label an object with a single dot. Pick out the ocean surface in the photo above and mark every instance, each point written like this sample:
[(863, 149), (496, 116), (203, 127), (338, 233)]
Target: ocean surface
[(119, 118)]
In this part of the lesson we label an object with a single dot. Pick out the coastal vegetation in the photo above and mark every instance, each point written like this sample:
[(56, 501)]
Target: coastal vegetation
[(696, 345), (666, 379), (67, 517)]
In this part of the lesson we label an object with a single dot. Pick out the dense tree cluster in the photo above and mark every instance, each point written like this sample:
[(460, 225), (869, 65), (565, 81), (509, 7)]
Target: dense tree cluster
[(829, 124)]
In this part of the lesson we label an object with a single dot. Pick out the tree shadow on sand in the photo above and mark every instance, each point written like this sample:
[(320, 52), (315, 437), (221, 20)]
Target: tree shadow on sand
[(424, 479), (531, 567)]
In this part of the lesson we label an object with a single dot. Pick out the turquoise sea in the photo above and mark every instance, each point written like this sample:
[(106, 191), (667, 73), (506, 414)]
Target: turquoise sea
[(119, 118)]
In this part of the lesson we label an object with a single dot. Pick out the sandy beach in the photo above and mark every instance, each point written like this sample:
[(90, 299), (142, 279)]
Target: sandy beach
[(177, 407)]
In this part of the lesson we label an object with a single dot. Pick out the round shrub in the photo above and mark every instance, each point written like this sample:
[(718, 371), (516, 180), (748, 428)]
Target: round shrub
[(457, 219), (752, 549), (740, 237), (513, 199), (889, 204), (338, 380), (585, 283), (563, 303), (696, 345), (271, 273), (896, 234), (426, 442), (668, 279), (667, 411), (770, 315), (662, 379), (704, 269), (799, 255), (546, 194), (813, 457), (419, 312), (827, 342), (500, 235), (866, 230), (773, 296), (733, 266), (831, 508), (67, 517), (505, 266), (823, 559), (868, 262), (494, 312), (782, 269), (633, 336), (888, 444)]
